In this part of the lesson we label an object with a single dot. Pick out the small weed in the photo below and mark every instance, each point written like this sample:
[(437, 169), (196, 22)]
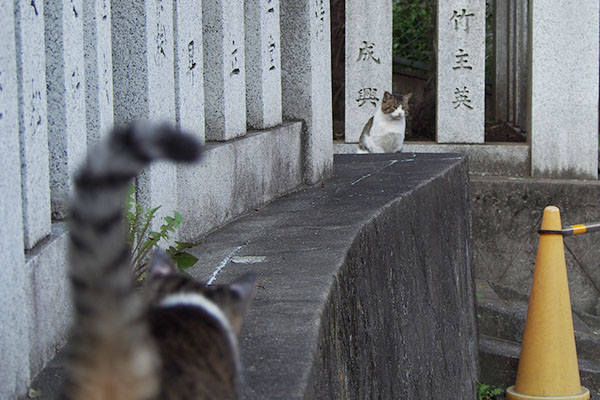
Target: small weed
[(141, 240), (487, 392)]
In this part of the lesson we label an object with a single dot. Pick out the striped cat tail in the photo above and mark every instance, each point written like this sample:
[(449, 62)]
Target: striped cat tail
[(111, 354)]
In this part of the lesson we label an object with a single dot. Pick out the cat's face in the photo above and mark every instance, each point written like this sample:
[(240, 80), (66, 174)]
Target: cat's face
[(395, 106)]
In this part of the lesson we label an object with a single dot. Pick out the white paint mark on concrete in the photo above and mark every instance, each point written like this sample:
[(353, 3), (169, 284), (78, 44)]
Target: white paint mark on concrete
[(222, 265), (360, 179), (248, 259), (392, 162)]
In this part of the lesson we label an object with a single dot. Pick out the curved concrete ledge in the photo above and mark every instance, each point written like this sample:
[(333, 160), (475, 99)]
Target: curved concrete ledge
[(366, 287), (366, 283)]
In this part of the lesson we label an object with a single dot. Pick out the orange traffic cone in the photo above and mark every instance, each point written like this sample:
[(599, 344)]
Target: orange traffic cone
[(548, 366)]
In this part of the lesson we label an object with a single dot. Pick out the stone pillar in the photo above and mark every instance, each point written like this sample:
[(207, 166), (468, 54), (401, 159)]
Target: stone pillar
[(66, 97), (523, 65), (306, 80), (189, 78), (461, 71), (98, 68), (33, 126), (563, 84), (224, 69), (368, 61), (144, 85), (512, 60), (14, 345), (263, 63), (501, 60)]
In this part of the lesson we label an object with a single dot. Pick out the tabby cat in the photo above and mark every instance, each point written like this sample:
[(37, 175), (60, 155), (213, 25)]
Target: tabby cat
[(384, 132), (177, 338)]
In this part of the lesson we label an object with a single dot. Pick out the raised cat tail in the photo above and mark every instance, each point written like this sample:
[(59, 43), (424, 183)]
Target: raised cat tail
[(111, 354)]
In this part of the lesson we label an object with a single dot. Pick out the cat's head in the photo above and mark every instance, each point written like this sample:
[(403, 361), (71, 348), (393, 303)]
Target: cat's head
[(394, 106), (233, 299)]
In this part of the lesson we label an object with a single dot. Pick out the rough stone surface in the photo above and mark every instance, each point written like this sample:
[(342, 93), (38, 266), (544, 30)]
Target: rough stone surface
[(14, 346), (484, 159), (224, 69), (501, 322), (49, 303), (564, 130), (66, 97), (37, 321), (231, 180), (189, 80), (306, 80), (144, 86), (368, 61), (98, 68), (506, 216), (33, 124), (460, 71), (359, 296), (263, 63)]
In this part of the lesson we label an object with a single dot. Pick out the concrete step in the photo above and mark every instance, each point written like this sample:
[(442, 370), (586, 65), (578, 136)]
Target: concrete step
[(501, 323), (499, 360)]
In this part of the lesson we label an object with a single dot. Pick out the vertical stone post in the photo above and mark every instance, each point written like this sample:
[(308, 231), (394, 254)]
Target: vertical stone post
[(306, 80), (189, 78), (460, 71), (144, 85), (33, 126), (523, 65), (66, 97), (512, 60), (98, 68), (501, 60), (263, 63), (224, 69), (14, 375), (368, 61), (563, 88)]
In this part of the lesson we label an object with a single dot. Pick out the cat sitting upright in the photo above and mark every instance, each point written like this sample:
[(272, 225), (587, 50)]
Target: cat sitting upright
[(384, 132), (174, 340)]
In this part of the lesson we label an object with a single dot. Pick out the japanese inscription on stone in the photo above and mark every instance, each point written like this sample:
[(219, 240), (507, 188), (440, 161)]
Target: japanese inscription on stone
[(161, 32), (367, 52), (367, 95), (320, 17), (271, 47), (461, 71), (235, 63), (461, 24)]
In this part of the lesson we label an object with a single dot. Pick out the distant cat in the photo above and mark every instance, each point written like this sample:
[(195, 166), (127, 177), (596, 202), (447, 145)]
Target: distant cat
[(177, 338), (384, 132)]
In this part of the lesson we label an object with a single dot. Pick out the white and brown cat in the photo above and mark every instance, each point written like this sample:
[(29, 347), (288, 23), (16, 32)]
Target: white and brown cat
[(384, 131)]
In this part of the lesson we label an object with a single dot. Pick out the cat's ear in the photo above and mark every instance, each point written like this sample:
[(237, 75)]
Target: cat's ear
[(405, 99), (243, 290), (387, 95), (161, 264)]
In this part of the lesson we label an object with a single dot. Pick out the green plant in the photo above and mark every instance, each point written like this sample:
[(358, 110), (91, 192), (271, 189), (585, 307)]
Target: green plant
[(487, 392), (142, 241), (413, 28)]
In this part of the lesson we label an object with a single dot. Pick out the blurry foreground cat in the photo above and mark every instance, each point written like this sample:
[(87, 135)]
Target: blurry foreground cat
[(177, 338), (384, 132)]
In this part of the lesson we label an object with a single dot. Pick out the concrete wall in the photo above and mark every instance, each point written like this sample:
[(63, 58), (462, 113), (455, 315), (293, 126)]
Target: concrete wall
[(507, 213), (366, 283), (67, 71)]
